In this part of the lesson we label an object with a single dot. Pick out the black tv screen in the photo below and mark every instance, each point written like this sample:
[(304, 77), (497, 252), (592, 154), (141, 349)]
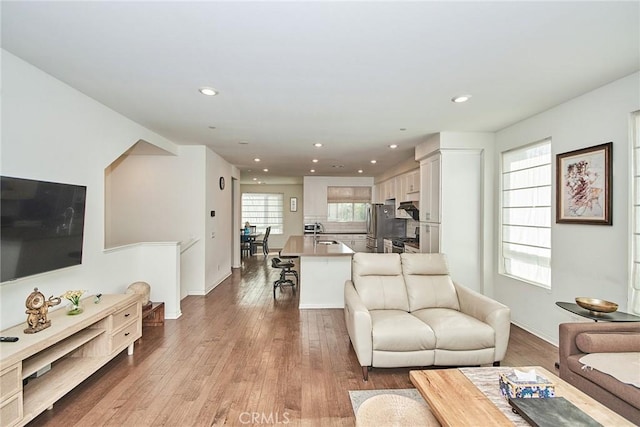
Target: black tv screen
[(42, 226)]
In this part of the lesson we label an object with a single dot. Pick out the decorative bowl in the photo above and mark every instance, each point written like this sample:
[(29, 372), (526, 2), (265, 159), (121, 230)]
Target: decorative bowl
[(596, 305)]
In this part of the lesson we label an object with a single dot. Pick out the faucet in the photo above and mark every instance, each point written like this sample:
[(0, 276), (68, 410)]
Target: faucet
[(317, 226)]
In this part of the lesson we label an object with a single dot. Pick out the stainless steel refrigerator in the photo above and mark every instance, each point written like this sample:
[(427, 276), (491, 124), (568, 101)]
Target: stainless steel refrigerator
[(381, 223)]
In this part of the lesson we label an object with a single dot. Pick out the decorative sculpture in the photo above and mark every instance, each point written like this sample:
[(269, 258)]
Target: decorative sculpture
[(144, 290), (37, 309)]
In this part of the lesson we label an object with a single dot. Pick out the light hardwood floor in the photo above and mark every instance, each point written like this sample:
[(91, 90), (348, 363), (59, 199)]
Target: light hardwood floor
[(239, 357)]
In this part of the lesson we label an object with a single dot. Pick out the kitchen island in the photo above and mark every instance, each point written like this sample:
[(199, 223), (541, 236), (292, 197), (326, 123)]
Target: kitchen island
[(324, 267)]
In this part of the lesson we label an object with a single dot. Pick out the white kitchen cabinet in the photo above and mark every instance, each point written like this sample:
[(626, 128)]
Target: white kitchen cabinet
[(450, 211), (401, 196), (412, 183), (359, 243), (315, 200), (430, 238), (388, 246), (430, 189)]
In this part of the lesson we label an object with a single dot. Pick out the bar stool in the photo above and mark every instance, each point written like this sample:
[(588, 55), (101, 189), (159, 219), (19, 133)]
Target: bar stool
[(285, 268)]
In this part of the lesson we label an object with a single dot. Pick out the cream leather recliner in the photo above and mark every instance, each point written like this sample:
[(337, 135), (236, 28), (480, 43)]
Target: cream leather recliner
[(404, 310)]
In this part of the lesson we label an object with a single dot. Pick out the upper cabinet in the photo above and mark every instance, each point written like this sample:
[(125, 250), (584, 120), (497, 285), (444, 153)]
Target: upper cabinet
[(315, 200), (412, 184)]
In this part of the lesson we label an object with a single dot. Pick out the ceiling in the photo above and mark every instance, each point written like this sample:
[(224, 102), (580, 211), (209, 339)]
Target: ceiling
[(354, 76)]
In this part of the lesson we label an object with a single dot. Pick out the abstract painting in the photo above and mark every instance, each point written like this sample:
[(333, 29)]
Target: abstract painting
[(583, 193)]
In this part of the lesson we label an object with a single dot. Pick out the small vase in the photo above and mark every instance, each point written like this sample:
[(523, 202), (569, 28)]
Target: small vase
[(73, 309)]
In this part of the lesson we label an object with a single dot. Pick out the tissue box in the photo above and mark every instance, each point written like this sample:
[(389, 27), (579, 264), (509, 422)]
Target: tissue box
[(510, 387)]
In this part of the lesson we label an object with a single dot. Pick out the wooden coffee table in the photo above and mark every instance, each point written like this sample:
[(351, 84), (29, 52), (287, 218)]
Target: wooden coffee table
[(456, 401)]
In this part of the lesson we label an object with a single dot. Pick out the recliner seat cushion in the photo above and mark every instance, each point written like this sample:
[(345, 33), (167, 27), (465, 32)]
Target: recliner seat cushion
[(455, 330), (428, 282), (397, 330), (379, 281)]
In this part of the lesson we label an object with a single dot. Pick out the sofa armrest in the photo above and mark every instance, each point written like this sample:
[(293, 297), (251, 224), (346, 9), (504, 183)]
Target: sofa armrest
[(489, 311), (358, 320), (569, 331)]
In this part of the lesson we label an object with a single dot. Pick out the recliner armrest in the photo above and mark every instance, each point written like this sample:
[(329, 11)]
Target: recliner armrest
[(358, 320), (489, 311)]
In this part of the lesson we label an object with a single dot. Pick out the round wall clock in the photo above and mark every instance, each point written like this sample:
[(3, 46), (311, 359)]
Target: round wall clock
[(221, 182)]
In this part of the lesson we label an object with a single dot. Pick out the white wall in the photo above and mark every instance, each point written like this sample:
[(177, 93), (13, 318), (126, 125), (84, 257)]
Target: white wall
[(586, 260), (51, 131), (315, 194)]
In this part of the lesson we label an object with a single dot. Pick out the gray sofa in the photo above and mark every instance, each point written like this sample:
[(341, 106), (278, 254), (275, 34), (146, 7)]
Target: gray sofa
[(403, 310), (605, 341)]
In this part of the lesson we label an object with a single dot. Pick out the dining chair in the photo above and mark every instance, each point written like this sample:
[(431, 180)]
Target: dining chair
[(264, 242)]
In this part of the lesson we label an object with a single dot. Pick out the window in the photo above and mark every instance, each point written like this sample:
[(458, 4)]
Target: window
[(526, 213), (348, 204), (263, 210), (635, 228)]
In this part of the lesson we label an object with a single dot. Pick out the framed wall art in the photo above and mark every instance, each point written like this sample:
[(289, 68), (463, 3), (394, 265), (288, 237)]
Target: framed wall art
[(293, 204), (583, 191)]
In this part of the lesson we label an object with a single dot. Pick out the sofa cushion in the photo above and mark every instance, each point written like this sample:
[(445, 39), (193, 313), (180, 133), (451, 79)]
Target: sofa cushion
[(608, 342), (623, 366), (455, 330), (397, 330), (428, 282), (379, 281), (626, 392)]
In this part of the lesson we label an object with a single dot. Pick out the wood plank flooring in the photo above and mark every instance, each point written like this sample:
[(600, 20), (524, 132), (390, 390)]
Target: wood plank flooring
[(239, 357)]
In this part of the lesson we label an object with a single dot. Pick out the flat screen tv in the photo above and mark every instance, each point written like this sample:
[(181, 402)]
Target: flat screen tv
[(42, 226)]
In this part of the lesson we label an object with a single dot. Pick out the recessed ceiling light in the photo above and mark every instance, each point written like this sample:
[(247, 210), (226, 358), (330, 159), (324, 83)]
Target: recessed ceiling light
[(255, 179), (315, 160), (374, 161), (460, 98), (256, 159), (317, 145), (209, 91), (360, 171), (393, 146), (259, 182), (265, 170), (312, 170)]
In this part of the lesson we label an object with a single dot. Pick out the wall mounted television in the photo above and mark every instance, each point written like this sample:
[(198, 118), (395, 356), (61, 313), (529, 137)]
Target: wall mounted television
[(42, 226)]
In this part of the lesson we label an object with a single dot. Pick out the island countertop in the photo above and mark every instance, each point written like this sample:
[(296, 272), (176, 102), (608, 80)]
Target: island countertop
[(306, 246)]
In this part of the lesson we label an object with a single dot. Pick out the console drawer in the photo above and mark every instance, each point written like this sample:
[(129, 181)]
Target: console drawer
[(124, 337), (11, 410), (124, 316), (11, 380)]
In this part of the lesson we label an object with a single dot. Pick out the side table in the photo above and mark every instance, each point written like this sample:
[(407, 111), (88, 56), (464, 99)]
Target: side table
[(616, 316)]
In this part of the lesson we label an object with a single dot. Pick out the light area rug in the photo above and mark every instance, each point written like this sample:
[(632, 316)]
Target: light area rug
[(359, 396)]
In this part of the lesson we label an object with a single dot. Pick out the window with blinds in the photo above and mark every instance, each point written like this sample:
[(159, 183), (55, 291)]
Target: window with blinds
[(263, 210), (526, 213), (635, 228), (348, 204)]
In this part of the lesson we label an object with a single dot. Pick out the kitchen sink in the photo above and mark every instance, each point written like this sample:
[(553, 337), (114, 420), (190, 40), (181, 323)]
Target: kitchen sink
[(327, 242)]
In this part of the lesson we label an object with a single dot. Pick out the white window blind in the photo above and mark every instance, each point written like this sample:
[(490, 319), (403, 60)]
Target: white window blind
[(263, 210), (635, 229), (349, 194), (526, 213)]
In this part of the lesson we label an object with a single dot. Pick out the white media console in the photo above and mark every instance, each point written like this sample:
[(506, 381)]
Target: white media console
[(73, 346)]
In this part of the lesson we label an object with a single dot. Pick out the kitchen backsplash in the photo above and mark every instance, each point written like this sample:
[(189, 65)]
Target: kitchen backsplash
[(411, 227), (345, 227)]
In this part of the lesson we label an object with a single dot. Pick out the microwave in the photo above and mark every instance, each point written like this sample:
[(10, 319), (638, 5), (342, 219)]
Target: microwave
[(313, 228)]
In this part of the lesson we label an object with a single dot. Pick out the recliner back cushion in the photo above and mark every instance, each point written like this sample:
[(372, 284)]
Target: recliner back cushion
[(379, 281), (428, 282)]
